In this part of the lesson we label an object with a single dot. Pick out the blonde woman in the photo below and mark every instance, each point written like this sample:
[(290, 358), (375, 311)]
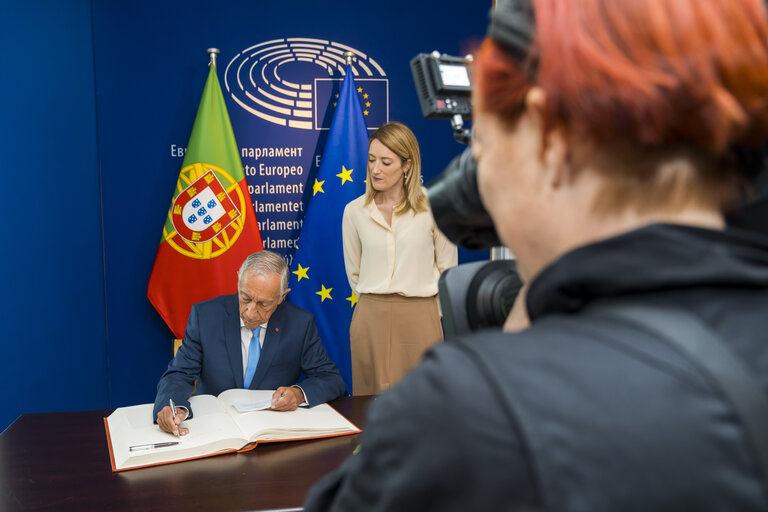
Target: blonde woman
[(394, 255)]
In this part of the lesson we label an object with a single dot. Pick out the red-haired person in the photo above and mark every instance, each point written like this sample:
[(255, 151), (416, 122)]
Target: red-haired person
[(603, 132)]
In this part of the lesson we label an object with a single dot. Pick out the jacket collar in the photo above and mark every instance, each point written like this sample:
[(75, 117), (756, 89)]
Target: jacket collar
[(233, 342), (655, 258)]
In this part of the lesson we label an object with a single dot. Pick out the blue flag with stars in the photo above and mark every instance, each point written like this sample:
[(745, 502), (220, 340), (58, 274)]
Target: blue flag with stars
[(318, 280)]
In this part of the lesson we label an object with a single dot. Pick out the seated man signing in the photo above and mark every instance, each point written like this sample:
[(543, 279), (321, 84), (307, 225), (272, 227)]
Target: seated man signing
[(218, 352)]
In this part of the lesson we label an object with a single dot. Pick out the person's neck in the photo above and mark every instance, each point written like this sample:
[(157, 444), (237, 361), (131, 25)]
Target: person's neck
[(615, 225), (391, 197), (591, 229), (575, 220)]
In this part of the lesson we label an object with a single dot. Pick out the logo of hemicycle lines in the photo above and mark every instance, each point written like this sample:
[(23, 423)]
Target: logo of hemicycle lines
[(207, 214), (289, 82)]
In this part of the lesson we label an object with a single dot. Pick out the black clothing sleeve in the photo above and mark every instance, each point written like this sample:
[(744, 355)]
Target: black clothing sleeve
[(427, 443)]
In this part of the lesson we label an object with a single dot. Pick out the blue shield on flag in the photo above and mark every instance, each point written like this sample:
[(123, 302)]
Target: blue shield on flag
[(203, 209)]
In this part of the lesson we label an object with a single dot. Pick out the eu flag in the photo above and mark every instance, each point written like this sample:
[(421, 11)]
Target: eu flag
[(318, 280)]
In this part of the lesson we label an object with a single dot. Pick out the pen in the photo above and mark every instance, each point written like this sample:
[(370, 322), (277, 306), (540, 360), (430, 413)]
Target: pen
[(151, 445), (173, 411)]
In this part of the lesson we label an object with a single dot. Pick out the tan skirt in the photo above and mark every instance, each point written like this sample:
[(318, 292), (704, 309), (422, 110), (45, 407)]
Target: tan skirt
[(388, 336)]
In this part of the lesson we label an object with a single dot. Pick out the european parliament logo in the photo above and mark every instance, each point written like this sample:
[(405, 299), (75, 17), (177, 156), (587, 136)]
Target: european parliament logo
[(374, 100), (294, 82)]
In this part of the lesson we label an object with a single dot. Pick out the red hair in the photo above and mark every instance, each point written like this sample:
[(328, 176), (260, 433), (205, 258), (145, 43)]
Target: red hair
[(691, 73)]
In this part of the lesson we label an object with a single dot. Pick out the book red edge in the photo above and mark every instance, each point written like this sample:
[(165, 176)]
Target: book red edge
[(246, 448)]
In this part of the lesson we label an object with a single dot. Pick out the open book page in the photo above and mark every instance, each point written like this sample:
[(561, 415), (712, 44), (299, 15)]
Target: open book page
[(317, 421), (210, 430), (245, 399)]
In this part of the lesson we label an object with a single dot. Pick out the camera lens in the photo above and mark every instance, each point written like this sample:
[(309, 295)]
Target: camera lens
[(456, 205), (492, 293)]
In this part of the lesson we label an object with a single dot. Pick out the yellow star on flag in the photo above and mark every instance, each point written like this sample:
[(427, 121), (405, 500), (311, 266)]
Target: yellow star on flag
[(367, 103), (324, 293), (365, 112), (318, 187), (360, 89), (301, 273), (352, 299), (345, 175), (365, 96)]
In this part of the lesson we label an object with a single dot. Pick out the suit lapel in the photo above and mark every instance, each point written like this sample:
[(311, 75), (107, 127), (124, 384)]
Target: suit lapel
[(270, 348), (232, 340)]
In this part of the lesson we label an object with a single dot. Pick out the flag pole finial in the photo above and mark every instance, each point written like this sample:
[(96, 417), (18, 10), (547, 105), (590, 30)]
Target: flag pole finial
[(348, 56), (212, 52)]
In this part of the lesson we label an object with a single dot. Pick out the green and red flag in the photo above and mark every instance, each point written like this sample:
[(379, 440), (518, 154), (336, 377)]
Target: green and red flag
[(211, 225)]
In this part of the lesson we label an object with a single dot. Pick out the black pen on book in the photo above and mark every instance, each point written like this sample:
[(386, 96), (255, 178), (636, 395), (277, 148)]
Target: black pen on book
[(151, 445)]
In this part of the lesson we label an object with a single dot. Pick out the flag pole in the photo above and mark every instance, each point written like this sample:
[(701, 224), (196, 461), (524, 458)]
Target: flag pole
[(212, 52), (212, 167), (319, 262)]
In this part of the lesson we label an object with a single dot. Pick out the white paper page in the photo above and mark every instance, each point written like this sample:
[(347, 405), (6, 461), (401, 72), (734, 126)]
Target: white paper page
[(252, 406), (132, 426), (267, 424), (247, 398)]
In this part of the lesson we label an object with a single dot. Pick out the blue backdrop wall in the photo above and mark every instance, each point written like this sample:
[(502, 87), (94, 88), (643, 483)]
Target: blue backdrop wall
[(54, 343), (100, 103)]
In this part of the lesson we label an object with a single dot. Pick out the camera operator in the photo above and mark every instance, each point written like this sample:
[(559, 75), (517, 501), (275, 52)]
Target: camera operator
[(604, 131)]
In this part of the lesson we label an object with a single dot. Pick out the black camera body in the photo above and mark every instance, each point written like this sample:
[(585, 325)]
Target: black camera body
[(473, 295)]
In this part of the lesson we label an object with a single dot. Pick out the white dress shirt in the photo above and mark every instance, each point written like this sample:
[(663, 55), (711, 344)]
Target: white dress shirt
[(245, 340), (245, 344), (405, 258)]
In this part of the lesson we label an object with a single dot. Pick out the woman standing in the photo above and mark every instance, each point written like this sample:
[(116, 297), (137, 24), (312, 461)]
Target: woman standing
[(394, 255)]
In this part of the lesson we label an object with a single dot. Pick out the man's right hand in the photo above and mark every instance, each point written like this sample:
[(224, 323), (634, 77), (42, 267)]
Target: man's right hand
[(168, 423)]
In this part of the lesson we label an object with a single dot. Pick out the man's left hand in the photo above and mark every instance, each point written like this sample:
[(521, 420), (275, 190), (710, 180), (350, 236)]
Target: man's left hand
[(287, 399)]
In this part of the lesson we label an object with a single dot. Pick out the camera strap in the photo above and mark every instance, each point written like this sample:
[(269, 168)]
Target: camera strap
[(705, 348)]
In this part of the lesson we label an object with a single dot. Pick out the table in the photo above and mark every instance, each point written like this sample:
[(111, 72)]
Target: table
[(60, 461)]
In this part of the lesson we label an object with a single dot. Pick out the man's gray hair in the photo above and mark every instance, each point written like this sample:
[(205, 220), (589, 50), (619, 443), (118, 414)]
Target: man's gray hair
[(263, 263)]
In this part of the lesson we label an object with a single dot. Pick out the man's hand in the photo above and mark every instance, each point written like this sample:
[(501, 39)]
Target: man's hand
[(168, 423), (287, 399)]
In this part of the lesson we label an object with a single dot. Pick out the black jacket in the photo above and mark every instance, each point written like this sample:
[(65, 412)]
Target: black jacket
[(604, 415)]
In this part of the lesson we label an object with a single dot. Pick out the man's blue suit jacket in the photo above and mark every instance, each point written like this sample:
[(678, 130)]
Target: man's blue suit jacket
[(211, 353)]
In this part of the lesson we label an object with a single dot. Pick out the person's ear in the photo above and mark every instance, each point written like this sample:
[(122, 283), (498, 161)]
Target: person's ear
[(554, 144), (284, 294), (556, 158)]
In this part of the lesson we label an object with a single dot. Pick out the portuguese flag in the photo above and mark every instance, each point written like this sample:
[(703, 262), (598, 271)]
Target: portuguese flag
[(211, 225)]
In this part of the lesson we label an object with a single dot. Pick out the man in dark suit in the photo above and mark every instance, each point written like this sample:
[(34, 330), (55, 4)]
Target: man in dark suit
[(253, 340)]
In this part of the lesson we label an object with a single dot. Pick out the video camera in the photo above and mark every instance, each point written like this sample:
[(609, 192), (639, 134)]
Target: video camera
[(480, 295), (473, 295), (444, 88)]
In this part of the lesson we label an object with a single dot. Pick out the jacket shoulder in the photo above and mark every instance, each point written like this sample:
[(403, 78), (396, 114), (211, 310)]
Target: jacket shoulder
[(217, 305), (295, 313)]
